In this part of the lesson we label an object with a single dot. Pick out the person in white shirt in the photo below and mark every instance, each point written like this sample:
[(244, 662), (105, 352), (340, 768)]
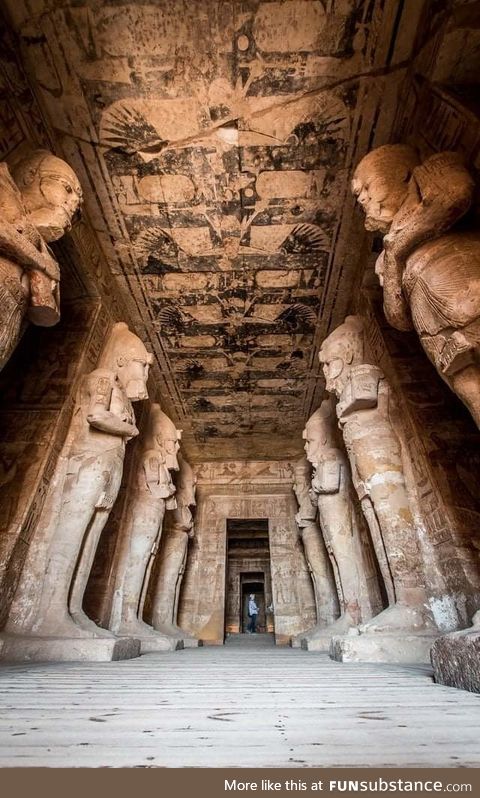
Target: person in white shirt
[(252, 614)]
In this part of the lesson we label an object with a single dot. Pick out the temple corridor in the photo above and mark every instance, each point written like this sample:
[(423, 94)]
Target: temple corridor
[(239, 383), (247, 704)]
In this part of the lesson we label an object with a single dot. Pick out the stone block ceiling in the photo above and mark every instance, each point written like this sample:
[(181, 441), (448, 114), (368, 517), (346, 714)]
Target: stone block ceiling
[(215, 142)]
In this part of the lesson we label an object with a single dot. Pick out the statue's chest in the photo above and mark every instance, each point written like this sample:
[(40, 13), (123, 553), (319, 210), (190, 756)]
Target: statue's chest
[(121, 405)]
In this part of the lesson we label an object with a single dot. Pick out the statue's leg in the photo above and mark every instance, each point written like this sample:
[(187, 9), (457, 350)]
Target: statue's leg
[(178, 584), (337, 525), (163, 604), (408, 613), (80, 495), (379, 547), (80, 578), (322, 578), (133, 565), (106, 475)]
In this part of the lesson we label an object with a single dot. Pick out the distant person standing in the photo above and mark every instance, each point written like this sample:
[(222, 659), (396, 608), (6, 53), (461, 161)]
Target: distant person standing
[(252, 614)]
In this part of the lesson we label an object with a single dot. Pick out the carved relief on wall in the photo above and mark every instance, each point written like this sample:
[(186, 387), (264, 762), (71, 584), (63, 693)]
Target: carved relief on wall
[(268, 472), (415, 204), (38, 202), (203, 597), (217, 185)]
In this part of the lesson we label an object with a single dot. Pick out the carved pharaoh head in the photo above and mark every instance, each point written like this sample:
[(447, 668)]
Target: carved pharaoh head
[(380, 183), (342, 349), (51, 192), (318, 431), (166, 438), (186, 483), (301, 488), (125, 354)]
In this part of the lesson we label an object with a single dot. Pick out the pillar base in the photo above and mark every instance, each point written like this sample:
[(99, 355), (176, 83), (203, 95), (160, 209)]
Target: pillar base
[(173, 632), (191, 642), (319, 637), (456, 659), (318, 644), (159, 643), (398, 647), (23, 648)]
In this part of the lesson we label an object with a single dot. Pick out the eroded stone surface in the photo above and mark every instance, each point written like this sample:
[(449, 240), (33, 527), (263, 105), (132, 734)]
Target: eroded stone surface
[(341, 524), (456, 658), (37, 206), (316, 555), (415, 204), (217, 184), (88, 477), (151, 491), (172, 558), (366, 415)]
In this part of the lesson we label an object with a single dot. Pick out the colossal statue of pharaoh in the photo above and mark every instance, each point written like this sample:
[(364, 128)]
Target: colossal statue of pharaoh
[(151, 493), (326, 601), (338, 519), (430, 279), (46, 619), (37, 205), (366, 415), (180, 530)]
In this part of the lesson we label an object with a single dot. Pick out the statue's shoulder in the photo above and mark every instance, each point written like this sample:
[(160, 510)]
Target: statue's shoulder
[(100, 379), (151, 453), (443, 171), (11, 203)]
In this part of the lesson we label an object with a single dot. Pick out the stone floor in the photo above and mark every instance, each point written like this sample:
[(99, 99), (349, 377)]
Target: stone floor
[(247, 704)]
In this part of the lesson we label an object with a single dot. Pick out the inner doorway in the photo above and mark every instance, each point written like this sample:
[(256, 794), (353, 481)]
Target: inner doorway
[(257, 588), (248, 571)]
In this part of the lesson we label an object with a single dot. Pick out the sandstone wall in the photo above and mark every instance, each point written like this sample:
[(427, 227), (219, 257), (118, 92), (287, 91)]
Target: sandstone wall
[(245, 490)]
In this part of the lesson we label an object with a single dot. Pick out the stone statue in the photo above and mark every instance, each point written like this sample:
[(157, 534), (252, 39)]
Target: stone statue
[(37, 205), (102, 424), (326, 601), (430, 279), (366, 415), (332, 490), (152, 492), (173, 555)]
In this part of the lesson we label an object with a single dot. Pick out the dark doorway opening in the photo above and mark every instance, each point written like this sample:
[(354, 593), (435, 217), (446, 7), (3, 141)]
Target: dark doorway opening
[(257, 588), (248, 571)]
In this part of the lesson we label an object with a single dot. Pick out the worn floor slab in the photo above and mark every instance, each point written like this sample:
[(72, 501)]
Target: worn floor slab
[(247, 704)]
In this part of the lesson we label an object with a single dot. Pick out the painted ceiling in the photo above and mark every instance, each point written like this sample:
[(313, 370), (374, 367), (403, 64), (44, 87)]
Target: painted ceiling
[(215, 142)]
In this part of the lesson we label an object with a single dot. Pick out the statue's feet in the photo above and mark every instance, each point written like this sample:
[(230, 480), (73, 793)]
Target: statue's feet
[(59, 627), (89, 627), (400, 618), (338, 627), (171, 630), (137, 628)]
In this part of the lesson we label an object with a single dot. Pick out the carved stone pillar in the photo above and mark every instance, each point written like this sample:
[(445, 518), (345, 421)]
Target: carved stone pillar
[(339, 521), (173, 558), (318, 562), (46, 621), (430, 279), (152, 492), (37, 206), (406, 629)]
